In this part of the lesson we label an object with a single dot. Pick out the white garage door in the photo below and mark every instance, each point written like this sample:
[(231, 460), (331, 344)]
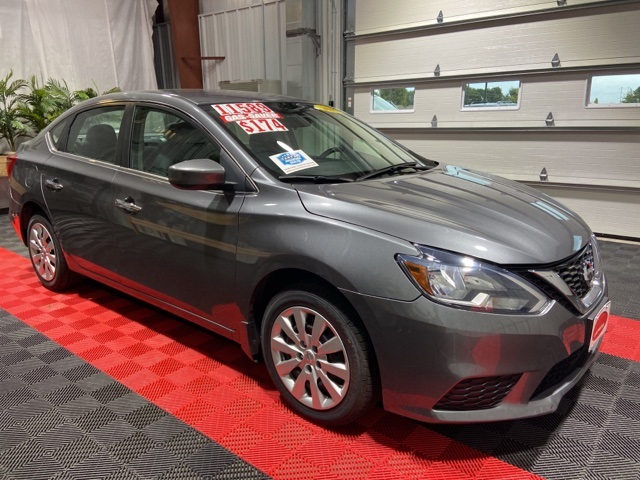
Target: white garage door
[(544, 92)]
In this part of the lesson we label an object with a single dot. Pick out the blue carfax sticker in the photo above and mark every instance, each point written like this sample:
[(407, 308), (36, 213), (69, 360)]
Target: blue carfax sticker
[(293, 161)]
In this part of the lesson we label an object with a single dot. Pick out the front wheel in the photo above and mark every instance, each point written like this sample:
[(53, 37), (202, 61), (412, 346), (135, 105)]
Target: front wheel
[(46, 256), (318, 357)]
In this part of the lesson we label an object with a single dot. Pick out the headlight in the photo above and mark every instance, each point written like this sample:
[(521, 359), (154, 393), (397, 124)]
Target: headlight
[(464, 282)]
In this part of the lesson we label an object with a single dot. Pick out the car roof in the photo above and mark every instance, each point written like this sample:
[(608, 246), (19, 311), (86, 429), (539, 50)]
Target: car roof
[(201, 97)]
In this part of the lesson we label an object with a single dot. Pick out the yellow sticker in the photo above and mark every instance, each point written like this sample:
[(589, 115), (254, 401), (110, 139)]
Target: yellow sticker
[(326, 108)]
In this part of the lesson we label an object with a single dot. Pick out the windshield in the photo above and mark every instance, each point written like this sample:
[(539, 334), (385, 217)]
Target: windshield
[(294, 141)]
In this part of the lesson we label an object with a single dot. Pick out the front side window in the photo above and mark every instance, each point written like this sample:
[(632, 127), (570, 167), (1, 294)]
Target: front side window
[(614, 90), (502, 95), (311, 140), (161, 139), (396, 99), (94, 133)]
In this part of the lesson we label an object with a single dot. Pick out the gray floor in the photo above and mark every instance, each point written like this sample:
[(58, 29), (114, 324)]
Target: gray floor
[(621, 262)]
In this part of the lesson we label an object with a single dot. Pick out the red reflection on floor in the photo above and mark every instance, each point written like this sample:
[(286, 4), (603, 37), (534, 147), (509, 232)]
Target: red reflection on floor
[(209, 383)]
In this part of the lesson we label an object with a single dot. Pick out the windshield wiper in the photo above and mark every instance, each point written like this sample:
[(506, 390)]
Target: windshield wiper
[(391, 169), (314, 178)]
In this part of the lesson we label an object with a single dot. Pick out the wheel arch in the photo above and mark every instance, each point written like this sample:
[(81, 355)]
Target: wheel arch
[(287, 278), (28, 210)]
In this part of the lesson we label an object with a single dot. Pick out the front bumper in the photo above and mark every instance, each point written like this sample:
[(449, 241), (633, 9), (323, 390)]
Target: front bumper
[(440, 364)]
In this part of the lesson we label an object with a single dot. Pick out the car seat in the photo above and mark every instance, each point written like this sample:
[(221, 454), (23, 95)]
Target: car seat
[(100, 143)]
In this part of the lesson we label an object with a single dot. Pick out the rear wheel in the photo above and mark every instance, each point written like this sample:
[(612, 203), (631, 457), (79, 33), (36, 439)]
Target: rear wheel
[(318, 357), (46, 256)]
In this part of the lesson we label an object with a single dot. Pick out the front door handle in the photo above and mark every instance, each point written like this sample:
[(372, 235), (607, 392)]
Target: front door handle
[(54, 184), (128, 204)]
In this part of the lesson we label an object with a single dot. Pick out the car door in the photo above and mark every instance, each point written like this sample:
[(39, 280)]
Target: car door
[(76, 185), (178, 246)]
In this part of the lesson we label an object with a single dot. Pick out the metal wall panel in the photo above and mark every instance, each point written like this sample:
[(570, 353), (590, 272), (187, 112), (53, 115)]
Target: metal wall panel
[(164, 61), (249, 37), (210, 6)]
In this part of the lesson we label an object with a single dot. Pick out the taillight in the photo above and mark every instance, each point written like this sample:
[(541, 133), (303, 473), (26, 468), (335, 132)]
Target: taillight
[(11, 161)]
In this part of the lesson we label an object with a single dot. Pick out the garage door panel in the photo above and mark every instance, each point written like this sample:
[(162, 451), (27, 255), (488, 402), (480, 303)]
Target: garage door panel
[(606, 211), (594, 158), (563, 95), (375, 16), (577, 39)]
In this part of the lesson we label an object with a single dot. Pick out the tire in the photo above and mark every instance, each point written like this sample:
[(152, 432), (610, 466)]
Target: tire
[(328, 374), (46, 256)]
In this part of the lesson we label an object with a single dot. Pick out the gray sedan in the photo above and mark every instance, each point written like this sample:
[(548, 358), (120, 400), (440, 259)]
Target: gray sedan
[(358, 270)]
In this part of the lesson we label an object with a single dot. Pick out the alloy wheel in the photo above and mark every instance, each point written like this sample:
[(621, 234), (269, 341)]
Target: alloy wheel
[(42, 251), (310, 358)]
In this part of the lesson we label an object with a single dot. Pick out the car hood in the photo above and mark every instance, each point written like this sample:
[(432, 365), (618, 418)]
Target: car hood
[(459, 210)]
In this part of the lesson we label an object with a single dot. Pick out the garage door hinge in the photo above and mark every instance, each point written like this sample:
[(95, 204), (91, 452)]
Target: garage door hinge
[(434, 122), (436, 72), (550, 120), (440, 17), (544, 176), (555, 61)]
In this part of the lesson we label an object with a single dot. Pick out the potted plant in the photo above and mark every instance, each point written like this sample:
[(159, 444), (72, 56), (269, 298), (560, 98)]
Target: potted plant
[(37, 106), (11, 126), (42, 104)]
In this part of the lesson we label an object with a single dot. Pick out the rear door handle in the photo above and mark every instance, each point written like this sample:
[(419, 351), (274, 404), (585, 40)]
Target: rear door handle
[(128, 204), (54, 184)]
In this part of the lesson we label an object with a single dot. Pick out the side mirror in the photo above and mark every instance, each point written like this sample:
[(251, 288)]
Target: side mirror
[(198, 174)]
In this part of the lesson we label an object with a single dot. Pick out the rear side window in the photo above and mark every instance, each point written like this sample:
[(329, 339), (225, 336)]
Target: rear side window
[(94, 133), (57, 135)]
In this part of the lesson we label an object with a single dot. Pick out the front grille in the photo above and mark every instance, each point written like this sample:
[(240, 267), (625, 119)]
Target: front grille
[(477, 393), (572, 272), (562, 370), (550, 291)]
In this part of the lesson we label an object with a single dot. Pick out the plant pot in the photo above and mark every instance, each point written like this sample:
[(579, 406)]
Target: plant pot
[(3, 164)]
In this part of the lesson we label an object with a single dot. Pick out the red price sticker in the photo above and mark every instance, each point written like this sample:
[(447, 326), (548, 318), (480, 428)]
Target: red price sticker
[(234, 112), (262, 125)]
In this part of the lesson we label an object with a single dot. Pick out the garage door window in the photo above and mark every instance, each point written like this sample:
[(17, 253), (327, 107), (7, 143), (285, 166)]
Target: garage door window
[(614, 90), (502, 95), (393, 100)]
